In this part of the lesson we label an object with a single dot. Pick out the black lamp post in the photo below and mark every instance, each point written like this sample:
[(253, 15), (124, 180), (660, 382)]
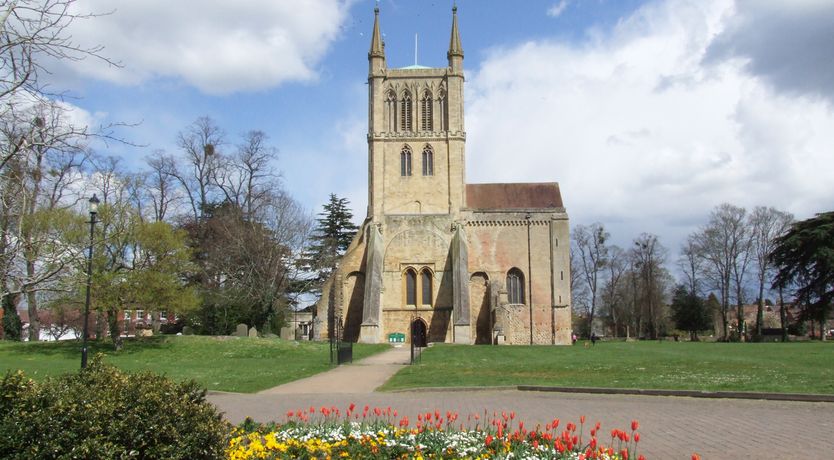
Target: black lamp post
[(93, 211), (529, 276)]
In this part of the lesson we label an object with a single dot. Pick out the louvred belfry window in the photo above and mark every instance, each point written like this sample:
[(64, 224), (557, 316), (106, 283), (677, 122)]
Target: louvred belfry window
[(405, 114)]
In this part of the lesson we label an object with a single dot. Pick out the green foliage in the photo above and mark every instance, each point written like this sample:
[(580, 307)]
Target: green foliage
[(330, 239), (804, 257), (689, 312), (104, 413), (12, 326)]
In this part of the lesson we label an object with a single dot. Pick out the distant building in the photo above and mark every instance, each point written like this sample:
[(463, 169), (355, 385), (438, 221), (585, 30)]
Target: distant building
[(438, 259)]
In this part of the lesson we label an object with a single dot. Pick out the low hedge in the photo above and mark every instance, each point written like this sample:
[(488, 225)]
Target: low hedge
[(104, 413)]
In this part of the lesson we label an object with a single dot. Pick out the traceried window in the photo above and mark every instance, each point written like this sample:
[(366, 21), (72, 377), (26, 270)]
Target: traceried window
[(418, 287), (425, 286), (441, 106), (391, 111), (405, 114), (405, 161), (426, 112), (428, 161), (410, 287), (515, 287)]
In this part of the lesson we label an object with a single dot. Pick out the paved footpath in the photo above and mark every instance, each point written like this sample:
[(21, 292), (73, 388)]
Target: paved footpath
[(671, 427)]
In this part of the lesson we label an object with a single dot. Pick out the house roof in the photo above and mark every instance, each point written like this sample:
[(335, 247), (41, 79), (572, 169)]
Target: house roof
[(544, 195)]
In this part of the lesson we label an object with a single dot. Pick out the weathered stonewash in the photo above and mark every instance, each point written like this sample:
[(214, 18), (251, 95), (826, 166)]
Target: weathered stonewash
[(436, 257)]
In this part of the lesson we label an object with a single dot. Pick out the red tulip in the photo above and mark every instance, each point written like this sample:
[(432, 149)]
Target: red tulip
[(634, 425)]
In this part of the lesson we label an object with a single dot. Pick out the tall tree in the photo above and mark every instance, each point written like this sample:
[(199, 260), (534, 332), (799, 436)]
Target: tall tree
[(614, 292), (590, 245), (804, 257), (691, 264), (330, 239), (767, 224), (160, 184), (200, 144), (722, 243), (650, 257)]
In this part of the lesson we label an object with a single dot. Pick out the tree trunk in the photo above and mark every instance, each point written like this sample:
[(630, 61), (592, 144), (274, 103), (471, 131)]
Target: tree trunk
[(725, 307), (113, 326), (34, 321), (760, 311), (783, 316), (155, 322), (740, 314)]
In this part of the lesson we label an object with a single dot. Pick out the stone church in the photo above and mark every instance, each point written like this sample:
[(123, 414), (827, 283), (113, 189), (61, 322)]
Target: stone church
[(437, 259)]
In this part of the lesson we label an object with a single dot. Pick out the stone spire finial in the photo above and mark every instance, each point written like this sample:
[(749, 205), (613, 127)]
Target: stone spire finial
[(454, 42), (377, 47)]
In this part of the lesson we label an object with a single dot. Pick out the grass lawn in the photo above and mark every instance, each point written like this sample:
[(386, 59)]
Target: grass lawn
[(802, 367), (237, 364)]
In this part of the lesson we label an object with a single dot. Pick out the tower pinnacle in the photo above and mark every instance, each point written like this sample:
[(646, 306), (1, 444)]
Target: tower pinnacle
[(455, 49), (377, 47)]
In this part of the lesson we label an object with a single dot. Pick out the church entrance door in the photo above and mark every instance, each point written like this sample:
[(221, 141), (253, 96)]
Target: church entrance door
[(418, 333)]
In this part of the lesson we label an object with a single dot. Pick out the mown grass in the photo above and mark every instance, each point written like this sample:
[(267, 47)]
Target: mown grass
[(806, 367), (238, 364)]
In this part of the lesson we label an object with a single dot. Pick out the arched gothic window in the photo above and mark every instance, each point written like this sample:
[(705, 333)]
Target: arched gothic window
[(428, 161), (391, 111), (405, 116), (425, 286), (410, 287), (441, 106), (405, 161), (426, 110), (515, 287)]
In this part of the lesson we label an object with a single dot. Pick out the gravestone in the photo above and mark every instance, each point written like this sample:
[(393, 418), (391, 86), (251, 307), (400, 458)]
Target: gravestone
[(253, 332), (186, 330), (241, 330), (287, 333)]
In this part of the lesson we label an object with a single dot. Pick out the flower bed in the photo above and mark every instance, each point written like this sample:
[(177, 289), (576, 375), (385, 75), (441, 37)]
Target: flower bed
[(380, 433)]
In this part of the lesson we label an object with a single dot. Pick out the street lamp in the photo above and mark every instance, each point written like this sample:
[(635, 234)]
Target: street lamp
[(93, 211), (529, 276)]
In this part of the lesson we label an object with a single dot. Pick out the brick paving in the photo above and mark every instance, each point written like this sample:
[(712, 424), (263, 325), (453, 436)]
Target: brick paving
[(671, 427)]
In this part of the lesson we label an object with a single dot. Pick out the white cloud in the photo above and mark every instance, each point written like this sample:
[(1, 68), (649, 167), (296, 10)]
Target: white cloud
[(218, 47), (641, 133), (557, 9)]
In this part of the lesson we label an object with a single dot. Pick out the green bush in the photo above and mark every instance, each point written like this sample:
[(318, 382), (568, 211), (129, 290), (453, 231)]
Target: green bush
[(103, 413)]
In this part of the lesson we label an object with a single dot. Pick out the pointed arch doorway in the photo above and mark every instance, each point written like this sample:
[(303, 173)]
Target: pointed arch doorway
[(418, 333)]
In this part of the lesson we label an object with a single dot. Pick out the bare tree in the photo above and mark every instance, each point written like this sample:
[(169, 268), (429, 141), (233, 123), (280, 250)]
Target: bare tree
[(200, 144), (613, 292), (160, 184), (246, 178), (721, 243), (691, 264), (767, 225), (30, 32), (650, 256), (589, 242)]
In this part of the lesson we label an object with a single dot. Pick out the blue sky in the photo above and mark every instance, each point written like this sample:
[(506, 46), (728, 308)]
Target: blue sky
[(648, 113)]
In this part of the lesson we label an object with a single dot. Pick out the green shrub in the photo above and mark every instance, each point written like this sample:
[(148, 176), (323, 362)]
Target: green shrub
[(103, 413)]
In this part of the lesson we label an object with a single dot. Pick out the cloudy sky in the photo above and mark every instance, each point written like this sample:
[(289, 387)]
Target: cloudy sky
[(648, 113)]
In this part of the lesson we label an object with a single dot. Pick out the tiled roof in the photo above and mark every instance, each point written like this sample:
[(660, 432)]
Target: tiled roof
[(514, 196)]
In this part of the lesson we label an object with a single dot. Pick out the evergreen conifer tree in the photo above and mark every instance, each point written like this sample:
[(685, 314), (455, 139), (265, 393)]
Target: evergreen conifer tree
[(331, 238)]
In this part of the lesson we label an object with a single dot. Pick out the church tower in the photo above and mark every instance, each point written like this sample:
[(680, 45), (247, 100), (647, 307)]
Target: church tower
[(437, 259), (416, 134)]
